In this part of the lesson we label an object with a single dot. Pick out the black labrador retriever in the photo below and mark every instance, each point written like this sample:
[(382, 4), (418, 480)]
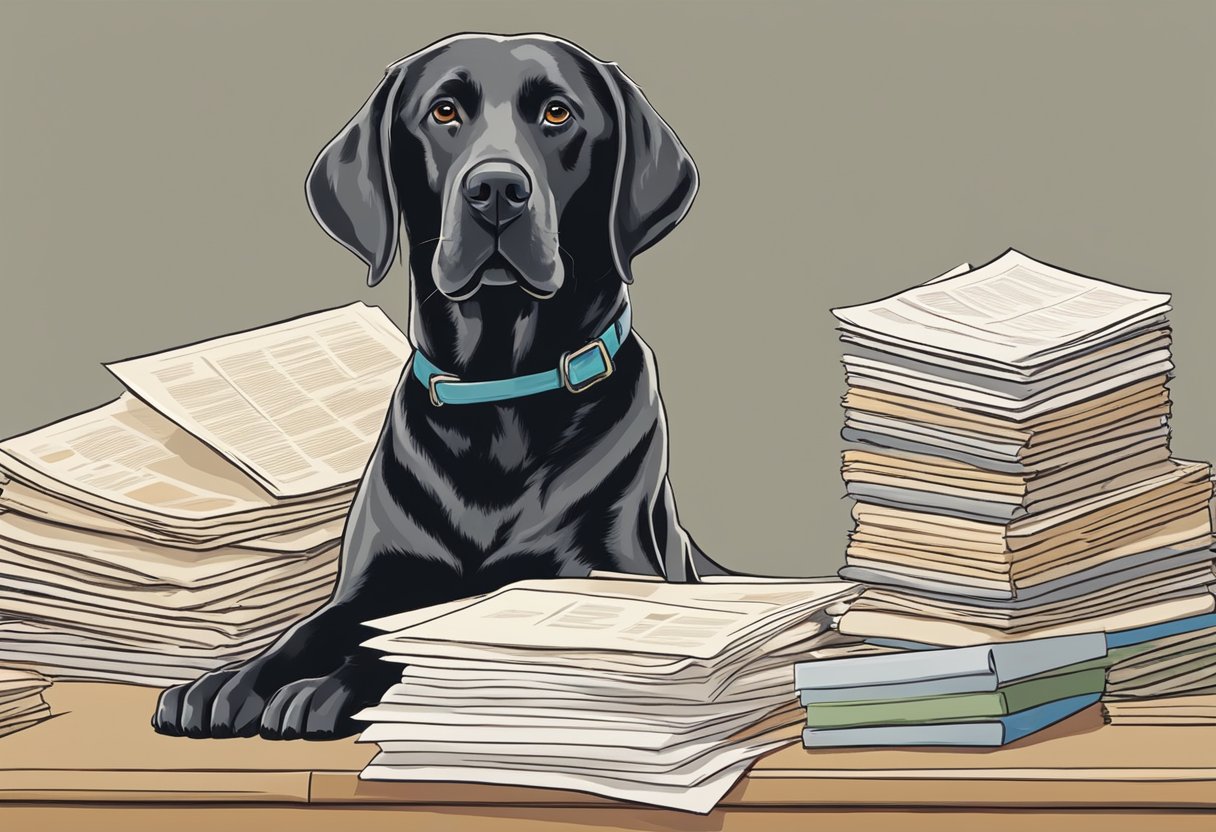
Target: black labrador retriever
[(526, 438)]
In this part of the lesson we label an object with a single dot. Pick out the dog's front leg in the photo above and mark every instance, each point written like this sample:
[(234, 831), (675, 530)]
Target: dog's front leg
[(310, 681), (230, 702), (682, 559)]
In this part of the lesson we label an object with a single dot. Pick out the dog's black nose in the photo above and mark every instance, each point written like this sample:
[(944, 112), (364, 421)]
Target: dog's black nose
[(499, 191)]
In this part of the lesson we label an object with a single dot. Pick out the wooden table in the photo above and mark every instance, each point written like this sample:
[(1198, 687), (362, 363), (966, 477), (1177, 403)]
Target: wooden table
[(98, 765)]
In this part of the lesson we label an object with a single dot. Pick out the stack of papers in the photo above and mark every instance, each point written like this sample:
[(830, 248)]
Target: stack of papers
[(633, 689), (987, 695), (1009, 455), (21, 701), (189, 522)]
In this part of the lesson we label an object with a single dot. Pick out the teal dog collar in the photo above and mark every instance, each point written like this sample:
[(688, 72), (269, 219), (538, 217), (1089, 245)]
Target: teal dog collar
[(577, 371)]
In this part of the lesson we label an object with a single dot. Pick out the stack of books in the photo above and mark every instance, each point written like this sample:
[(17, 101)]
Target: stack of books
[(986, 695), (1010, 461), (186, 524), (633, 689), (21, 702), (1163, 675), (886, 692)]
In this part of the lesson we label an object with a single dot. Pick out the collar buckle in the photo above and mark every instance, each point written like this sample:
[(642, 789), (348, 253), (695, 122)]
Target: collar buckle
[(435, 379), (563, 366)]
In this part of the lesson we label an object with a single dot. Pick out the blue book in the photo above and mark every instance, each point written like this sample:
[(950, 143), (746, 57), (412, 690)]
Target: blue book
[(988, 733), (1139, 635), (977, 669)]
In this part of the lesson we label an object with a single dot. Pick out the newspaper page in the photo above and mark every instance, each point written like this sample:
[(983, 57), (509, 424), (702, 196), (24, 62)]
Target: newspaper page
[(126, 454), (1015, 310), (632, 617), (297, 405)]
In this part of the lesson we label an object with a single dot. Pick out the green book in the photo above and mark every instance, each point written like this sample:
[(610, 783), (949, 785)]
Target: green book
[(1017, 696)]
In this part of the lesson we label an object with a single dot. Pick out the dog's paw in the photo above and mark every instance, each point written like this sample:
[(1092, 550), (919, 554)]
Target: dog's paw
[(218, 705), (313, 709)]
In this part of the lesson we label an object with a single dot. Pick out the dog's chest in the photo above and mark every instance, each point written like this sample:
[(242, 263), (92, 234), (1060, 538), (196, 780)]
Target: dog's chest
[(517, 488), (491, 460), (536, 533)]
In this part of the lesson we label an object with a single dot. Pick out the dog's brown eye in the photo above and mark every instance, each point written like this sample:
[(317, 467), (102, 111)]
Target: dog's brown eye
[(556, 114), (444, 112)]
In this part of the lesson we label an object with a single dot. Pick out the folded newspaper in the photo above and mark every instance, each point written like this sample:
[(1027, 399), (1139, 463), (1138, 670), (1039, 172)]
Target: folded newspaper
[(637, 690)]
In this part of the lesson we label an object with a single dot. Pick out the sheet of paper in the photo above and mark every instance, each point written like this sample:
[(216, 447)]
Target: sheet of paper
[(1015, 309), (297, 405), (695, 620), (126, 455)]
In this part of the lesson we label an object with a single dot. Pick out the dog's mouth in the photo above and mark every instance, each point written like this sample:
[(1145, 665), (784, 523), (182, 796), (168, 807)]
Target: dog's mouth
[(498, 272), (520, 256)]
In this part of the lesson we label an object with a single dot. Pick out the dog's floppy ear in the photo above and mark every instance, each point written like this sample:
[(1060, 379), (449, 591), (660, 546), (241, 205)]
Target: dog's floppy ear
[(656, 179), (350, 187)]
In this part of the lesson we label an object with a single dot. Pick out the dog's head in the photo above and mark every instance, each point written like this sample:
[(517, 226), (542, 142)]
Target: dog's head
[(498, 151)]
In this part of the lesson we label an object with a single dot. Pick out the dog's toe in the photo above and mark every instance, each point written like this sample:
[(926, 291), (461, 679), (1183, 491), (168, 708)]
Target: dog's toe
[(167, 718), (312, 709), (329, 713), (237, 710), (287, 712), (195, 720), (219, 704)]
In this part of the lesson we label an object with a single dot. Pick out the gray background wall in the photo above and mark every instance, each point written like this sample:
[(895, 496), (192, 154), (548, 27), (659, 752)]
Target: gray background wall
[(152, 156)]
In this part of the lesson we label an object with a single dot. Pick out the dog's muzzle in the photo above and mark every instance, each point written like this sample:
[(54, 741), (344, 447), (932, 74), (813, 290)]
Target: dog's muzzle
[(498, 229)]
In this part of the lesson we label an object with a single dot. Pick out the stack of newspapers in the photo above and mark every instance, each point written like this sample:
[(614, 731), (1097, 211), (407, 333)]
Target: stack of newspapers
[(21, 701), (1009, 457), (638, 690), (189, 522), (985, 695)]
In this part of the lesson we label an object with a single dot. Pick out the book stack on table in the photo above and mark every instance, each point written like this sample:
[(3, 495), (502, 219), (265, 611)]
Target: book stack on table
[(985, 695), (897, 693), (1010, 461)]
